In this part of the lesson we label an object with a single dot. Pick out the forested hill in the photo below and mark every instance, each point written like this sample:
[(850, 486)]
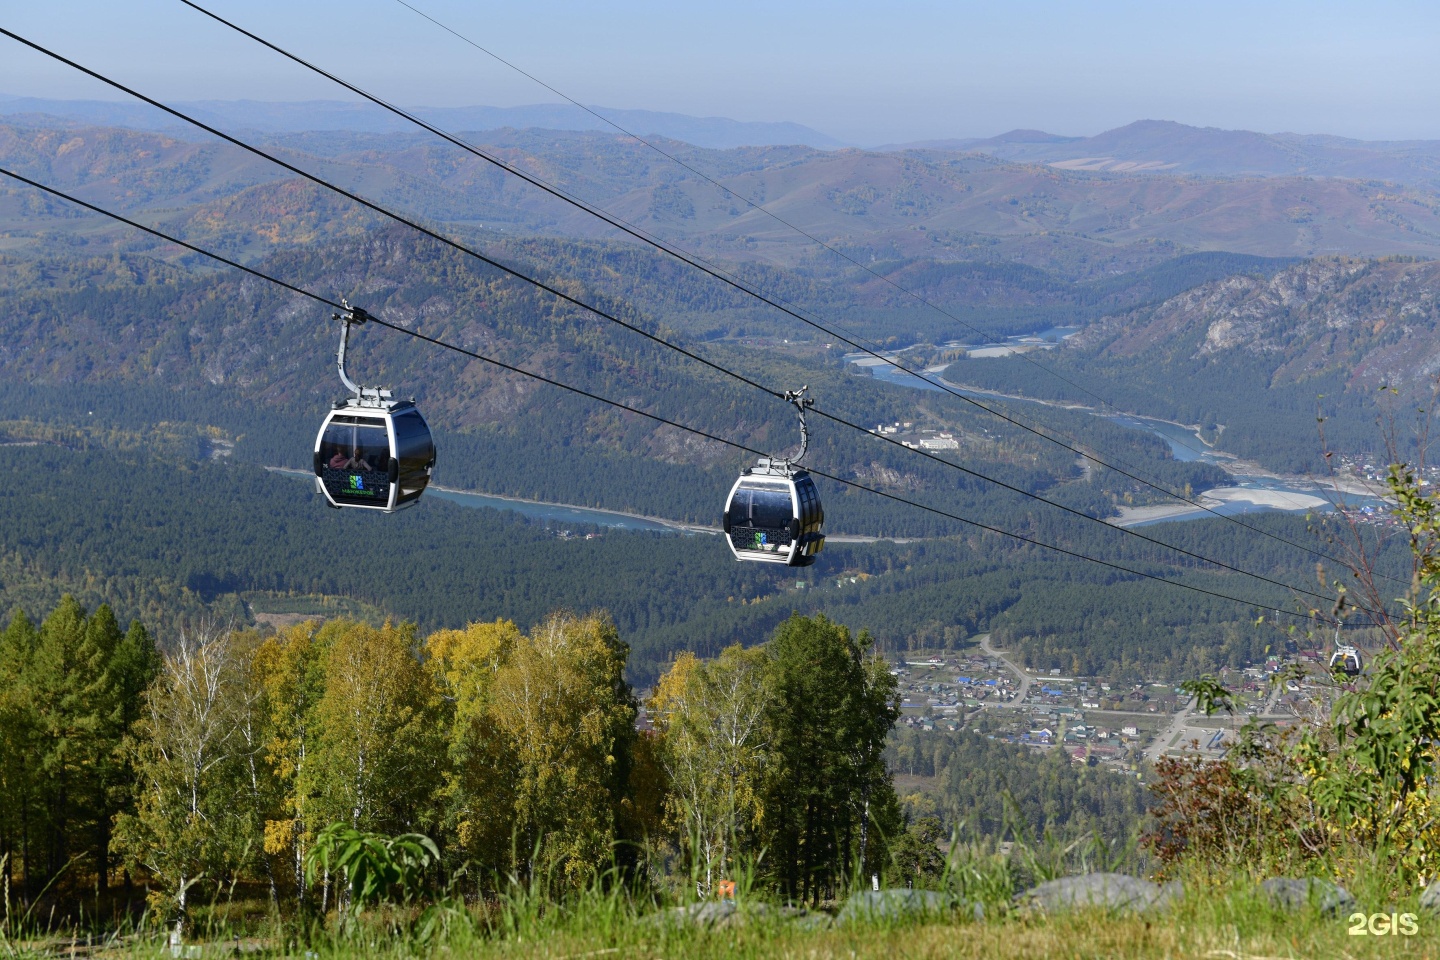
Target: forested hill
[(1263, 356), (258, 364), (939, 204)]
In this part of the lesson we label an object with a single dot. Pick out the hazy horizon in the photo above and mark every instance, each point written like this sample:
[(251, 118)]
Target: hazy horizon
[(611, 109), (923, 71)]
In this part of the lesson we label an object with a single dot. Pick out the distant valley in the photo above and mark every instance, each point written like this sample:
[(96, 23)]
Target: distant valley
[(1223, 300)]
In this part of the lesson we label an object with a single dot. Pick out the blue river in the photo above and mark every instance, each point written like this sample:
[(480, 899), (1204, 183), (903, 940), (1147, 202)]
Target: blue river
[(1185, 446), (554, 514)]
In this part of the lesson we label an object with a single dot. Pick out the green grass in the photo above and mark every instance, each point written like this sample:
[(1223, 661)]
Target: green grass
[(1227, 922), (314, 604)]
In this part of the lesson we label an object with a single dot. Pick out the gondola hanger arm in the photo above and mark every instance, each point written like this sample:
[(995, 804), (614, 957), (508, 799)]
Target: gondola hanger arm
[(801, 403), (353, 316)]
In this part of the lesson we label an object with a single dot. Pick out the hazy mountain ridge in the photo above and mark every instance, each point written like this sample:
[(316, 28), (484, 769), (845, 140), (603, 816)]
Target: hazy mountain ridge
[(1144, 146), (301, 116), (940, 206), (1160, 146)]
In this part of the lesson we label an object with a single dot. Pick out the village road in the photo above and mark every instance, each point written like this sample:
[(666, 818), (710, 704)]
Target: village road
[(1169, 733), (1014, 668)]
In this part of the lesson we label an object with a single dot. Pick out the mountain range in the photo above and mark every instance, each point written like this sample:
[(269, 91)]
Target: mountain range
[(1145, 146), (928, 204), (720, 133), (1161, 146)]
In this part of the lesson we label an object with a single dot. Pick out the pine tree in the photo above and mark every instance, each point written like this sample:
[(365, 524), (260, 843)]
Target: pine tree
[(108, 770), (18, 745), (833, 704), (74, 700), (135, 663)]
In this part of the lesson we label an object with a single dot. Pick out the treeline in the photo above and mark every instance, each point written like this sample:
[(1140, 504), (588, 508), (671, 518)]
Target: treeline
[(221, 760), (992, 789)]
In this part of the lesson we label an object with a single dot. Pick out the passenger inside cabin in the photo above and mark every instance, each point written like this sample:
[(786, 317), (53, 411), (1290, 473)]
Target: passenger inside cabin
[(353, 462)]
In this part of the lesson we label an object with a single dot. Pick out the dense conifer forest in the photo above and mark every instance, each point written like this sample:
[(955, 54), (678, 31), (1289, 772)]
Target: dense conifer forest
[(171, 541)]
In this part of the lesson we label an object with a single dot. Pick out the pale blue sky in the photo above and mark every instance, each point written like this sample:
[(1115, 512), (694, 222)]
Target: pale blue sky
[(865, 72)]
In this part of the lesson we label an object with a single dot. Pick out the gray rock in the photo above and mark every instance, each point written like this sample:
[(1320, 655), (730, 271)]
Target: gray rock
[(712, 912), (707, 913), (1111, 891), (1289, 894), (894, 906), (728, 913), (814, 921), (1169, 893), (1430, 899)]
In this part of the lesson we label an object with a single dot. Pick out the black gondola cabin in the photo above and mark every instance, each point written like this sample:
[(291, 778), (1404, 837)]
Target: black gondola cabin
[(374, 453), (774, 515)]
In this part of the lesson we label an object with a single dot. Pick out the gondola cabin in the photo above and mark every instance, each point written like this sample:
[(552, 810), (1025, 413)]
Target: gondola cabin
[(1346, 660), (374, 453), (774, 515)]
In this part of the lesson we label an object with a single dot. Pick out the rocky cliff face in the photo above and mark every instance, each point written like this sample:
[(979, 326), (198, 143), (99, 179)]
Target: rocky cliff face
[(1375, 320)]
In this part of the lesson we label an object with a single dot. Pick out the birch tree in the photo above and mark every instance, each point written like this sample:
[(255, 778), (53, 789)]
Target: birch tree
[(260, 797), (289, 671), (479, 791), (378, 748), (186, 828), (562, 703), (712, 718)]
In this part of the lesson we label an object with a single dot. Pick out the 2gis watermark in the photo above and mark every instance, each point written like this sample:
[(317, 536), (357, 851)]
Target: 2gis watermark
[(1383, 924)]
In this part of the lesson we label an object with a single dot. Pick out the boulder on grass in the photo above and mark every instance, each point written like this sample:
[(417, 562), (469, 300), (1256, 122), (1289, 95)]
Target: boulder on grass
[(1110, 891), (1430, 899), (726, 913), (1289, 894), (894, 906)]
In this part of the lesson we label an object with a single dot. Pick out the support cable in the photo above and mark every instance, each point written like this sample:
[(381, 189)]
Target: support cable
[(712, 269), (461, 248), (1313, 615)]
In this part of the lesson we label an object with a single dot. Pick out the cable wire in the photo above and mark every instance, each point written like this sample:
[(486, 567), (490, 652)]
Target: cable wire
[(459, 247), (725, 278), (1312, 616), (398, 218), (712, 270), (940, 384)]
